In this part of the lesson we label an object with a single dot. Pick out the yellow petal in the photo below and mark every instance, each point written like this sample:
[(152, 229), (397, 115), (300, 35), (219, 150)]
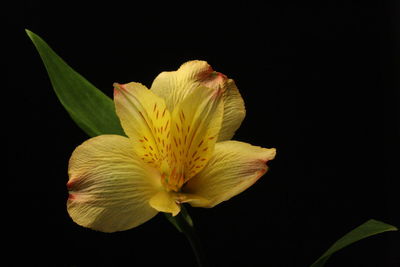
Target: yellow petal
[(194, 200), (234, 167), (196, 122), (234, 111), (174, 86), (110, 187), (145, 119), (165, 202), (170, 201)]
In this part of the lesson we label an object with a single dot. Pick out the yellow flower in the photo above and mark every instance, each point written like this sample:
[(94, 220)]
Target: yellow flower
[(177, 151)]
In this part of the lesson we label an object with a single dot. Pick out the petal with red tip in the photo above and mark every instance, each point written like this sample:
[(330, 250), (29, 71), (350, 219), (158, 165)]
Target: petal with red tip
[(109, 186), (174, 86), (233, 168)]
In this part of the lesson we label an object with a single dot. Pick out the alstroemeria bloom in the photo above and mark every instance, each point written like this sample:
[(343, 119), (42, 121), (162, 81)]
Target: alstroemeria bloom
[(177, 150)]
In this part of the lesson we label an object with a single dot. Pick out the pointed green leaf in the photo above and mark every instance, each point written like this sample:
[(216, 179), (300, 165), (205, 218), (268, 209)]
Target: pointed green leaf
[(369, 228), (90, 108)]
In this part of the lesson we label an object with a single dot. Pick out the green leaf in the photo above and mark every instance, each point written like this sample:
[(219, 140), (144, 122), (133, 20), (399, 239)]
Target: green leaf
[(369, 228), (90, 108)]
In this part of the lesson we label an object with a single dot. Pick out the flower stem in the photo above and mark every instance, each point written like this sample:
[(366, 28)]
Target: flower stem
[(188, 230)]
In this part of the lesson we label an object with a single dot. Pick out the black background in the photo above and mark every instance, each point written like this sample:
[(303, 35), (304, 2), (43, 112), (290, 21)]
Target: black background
[(320, 84)]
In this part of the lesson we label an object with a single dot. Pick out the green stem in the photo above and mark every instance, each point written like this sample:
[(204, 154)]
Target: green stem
[(191, 235)]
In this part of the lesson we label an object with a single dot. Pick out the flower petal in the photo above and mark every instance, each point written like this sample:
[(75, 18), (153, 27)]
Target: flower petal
[(174, 86), (196, 122), (234, 111), (110, 187), (234, 167), (145, 119), (165, 202)]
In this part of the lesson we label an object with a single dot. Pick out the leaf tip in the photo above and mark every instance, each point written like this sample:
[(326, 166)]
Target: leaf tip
[(29, 33), (389, 227)]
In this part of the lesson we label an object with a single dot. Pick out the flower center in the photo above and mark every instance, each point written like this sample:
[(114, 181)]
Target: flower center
[(173, 174)]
